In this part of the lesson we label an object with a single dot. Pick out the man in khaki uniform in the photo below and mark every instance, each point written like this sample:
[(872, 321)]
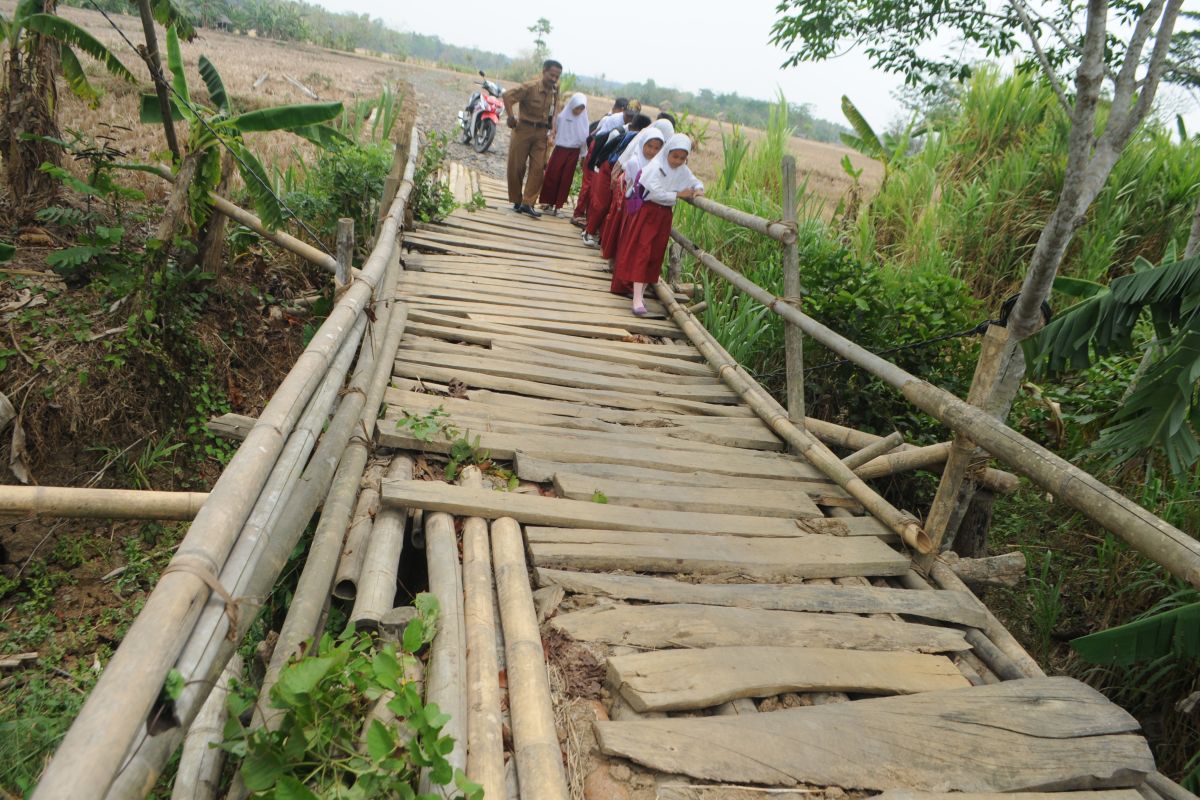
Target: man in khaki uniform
[(530, 108)]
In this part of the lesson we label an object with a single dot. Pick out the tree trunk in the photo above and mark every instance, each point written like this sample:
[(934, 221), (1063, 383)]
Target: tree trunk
[(971, 541), (1193, 242), (212, 246), (29, 97), (154, 63)]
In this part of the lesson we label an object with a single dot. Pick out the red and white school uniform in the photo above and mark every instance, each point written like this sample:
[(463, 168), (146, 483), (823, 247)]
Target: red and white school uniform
[(632, 161), (571, 133)]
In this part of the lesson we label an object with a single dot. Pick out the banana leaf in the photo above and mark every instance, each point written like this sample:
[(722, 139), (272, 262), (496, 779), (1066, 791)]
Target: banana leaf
[(283, 118), (7, 251), (151, 111), (322, 136), (71, 34), (175, 64), (1077, 287), (214, 84), (259, 187), (1173, 632), (169, 15), (869, 142), (76, 78)]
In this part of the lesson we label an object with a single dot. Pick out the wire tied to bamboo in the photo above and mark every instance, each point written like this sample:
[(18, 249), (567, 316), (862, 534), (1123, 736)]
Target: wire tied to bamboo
[(206, 574)]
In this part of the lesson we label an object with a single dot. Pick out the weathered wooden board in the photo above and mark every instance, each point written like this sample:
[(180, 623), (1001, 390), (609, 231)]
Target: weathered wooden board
[(592, 351), (531, 467), (537, 510), (724, 791), (660, 350), (555, 318), (949, 606), (518, 273), (707, 499), (678, 680), (1046, 733), (692, 626), (479, 249), (561, 252), (442, 284), (495, 364), (531, 388), (501, 445), (741, 433), (908, 794)]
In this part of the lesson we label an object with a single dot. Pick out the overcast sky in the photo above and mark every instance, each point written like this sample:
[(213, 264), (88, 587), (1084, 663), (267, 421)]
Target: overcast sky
[(700, 44)]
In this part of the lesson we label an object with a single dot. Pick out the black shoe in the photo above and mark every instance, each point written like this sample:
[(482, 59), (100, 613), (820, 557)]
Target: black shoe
[(530, 210)]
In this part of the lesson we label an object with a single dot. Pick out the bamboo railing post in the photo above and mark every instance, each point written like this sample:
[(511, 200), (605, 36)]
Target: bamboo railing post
[(949, 504), (873, 450), (345, 251), (674, 265), (75, 503), (793, 338)]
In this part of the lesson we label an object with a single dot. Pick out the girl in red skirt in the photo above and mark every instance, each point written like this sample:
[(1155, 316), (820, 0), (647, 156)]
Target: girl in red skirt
[(651, 207), (570, 132), (641, 151)]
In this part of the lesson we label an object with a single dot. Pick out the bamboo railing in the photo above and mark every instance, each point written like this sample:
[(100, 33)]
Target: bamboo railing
[(257, 504), (1161, 542)]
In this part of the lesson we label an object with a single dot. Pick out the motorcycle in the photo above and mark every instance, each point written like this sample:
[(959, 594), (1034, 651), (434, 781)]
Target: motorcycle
[(481, 116)]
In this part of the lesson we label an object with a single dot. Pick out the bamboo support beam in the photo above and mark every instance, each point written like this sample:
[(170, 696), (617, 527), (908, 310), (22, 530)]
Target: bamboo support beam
[(376, 591), (94, 748), (932, 457), (199, 774), (446, 678), (803, 442), (880, 448), (65, 501), (779, 231), (345, 251), (485, 740), (535, 741), (345, 584), (1163, 543)]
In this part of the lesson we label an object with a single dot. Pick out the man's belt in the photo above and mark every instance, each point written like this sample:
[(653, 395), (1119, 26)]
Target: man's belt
[(535, 124)]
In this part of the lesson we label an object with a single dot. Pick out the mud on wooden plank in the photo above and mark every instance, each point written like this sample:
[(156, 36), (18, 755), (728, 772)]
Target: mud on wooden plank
[(943, 605), (1023, 735), (678, 680), (683, 625)]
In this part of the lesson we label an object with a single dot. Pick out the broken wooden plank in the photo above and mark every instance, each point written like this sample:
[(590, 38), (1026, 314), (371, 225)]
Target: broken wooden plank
[(944, 605), (763, 558), (908, 794), (679, 680), (1022, 735), (686, 625), (231, 426), (553, 511), (708, 499)]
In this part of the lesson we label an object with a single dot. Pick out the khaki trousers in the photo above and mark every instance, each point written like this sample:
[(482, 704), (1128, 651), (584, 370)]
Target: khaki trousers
[(526, 151)]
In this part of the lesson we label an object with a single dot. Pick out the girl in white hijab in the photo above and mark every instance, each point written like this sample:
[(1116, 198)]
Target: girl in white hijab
[(610, 234), (570, 133), (664, 128), (663, 182)]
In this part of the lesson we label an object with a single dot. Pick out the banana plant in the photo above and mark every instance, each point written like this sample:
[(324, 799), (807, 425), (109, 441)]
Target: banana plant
[(212, 128), (1163, 408), (40, 47), (888, 149)]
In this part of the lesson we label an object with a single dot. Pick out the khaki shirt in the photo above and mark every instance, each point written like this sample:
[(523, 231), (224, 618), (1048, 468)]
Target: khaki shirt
[(537, 103)]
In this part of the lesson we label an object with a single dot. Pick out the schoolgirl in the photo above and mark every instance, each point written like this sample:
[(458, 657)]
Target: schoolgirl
[(603, 158), (663, 182), (570, 133), (641, 151)]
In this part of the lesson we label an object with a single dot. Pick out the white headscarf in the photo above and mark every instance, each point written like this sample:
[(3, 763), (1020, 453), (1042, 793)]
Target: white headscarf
[(663, 182), (610, 123), (662, 126), (572, 128), (638, 161)]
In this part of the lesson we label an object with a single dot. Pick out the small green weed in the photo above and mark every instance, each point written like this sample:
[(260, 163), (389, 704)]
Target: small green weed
[(1045, 597), (432, 199), (599, 497), (426, 426)]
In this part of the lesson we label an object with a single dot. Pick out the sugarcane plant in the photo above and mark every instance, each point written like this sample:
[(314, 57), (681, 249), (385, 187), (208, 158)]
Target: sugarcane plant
[(41, 46)]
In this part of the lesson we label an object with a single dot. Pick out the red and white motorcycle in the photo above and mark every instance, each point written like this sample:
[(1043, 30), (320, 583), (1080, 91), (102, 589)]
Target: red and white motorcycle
[(482, 115)]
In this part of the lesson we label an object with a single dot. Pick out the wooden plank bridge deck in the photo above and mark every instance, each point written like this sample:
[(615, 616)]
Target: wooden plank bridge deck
[(754, 634)]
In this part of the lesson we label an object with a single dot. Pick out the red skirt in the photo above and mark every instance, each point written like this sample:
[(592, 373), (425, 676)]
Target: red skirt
[(643, 244), (585, 186), (610, 234), (560, 171), (601, 196)]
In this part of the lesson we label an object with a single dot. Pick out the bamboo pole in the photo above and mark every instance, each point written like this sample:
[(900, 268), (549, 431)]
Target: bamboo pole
[(793, 338), (345, 251), (211, 643), (376, 593), (536, 748), (65, 501), (485, 741), (446, 679), (884, 446), (803, 442), (779, 231), (93, 749), (1146, 533), (345, 584), (290, 243), (199, 774)]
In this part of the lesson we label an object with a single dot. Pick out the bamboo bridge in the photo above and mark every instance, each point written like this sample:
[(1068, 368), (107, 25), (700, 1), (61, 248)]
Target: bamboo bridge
[(680, 592)]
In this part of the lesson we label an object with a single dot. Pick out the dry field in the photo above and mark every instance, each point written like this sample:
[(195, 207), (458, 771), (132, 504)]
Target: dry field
[(344, 76)]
